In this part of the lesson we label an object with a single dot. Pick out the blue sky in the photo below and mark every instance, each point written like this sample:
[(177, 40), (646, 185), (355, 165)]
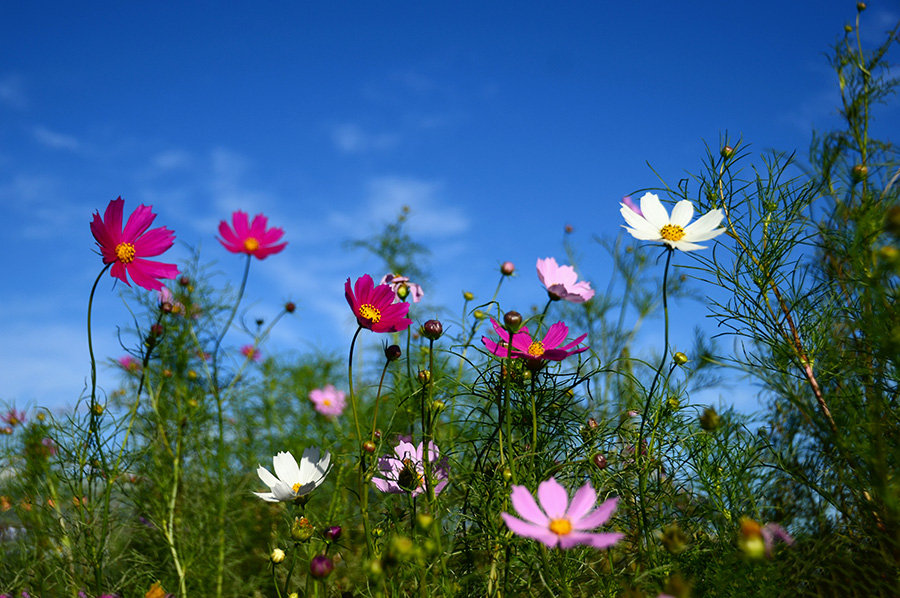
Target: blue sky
[(498, 124)]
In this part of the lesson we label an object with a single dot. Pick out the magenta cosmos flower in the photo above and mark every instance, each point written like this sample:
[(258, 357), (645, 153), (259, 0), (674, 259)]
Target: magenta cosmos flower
[(328, 401), (126, 248), (374, 307), (13, 417), (402, 288), (251, 352), (535, 351), (558, 522), (404, 471), (562, 281), (251, 238)]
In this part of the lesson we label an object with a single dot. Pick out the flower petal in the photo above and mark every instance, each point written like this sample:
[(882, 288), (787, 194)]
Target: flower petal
[(138, 222), (601, 540), (682, 213), (554, 498), (525, 505), (266, 476), (286, 468), (556, 334), (597, 517), (585, 498), (530, 530), (653, 211)]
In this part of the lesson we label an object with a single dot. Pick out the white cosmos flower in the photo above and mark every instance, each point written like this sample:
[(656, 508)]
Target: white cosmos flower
[(656, 225), (293, 481)]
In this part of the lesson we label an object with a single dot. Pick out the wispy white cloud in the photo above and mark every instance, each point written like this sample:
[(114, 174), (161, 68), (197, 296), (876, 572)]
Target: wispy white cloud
[(430, 214), (55, 140), (176, 159), (12, 92), (350, 138)]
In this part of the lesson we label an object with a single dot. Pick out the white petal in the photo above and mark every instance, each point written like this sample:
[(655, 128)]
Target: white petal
[(704, 236), (644, 235), (685, 246), (283, 492), (653, 211), (705, 223), (267, 478), (286, 468), (634, 219), (682, 213), (266, 496), (308, 465)]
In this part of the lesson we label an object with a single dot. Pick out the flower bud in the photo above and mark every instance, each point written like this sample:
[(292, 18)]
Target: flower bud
[(392, 352), (859, 172), (860, 6), (432, 329), (369, 446), (468, 296), (512, 320), (184, 281), (507, 474), (333, 533), (277, 556), (507, 268), (726, 152), (321, 566), (680, 358), (98, 409), (569, 229), (402, 291), (592, 423), (424, 376), (301, 529), (377, 434), (290, 306), (710, 420), (479, 315), (848, 28), (599, 461)]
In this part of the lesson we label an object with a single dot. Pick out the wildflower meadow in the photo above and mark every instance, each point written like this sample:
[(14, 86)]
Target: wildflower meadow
[(482, 448)]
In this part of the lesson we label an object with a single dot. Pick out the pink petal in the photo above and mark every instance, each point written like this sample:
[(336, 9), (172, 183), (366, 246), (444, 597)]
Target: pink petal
[(546, 268), (363, 289), (500, 330), (258, 227), (522, 341), (348, 295), (555, 335), (241, 225), (139, 221), (101, 233), (530, 530), (113, 218), (154, 242), (386, 486), (271, 236), (585, 498), (118, 271), (602, 540), (524, 504), (264, 252), (597, 517), (229, 239), (554, 498)]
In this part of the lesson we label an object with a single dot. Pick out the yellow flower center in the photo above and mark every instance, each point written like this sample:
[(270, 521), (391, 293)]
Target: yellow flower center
[(296, 487), (370, 312), (671, 232), (125, 252), (326, 403), (251, 244), (560, 527), (536, 349)]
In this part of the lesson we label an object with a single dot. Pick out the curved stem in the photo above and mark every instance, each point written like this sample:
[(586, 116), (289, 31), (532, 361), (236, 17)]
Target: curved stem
[(638, 447), (221, 337)]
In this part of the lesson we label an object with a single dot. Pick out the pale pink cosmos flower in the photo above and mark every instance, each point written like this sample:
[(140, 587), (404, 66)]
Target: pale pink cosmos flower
[(126, 248), (328, 400), (13, 417), (557, 522), (562, 281), (251, 352), (167, 301), (129, 364), (252, 238), (403, 288), (772, 532), (404, 471)]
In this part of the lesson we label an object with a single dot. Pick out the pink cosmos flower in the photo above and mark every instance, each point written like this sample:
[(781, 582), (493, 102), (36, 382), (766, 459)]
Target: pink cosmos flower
[(562, 281), (558, 522), (404, 471), (374, 307), (130, 364), (403, 288), (14, 418), (535, 351), (627, 201), (251, 238), (250, 352), (126, 248), (168, 303), (328, 401)]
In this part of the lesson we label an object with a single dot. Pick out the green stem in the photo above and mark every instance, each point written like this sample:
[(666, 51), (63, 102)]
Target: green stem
[(361, 478)]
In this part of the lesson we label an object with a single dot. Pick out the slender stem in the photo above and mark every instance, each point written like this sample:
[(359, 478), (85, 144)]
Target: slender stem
[(234, 308), (377, 397), (361, 478), (639, 443)]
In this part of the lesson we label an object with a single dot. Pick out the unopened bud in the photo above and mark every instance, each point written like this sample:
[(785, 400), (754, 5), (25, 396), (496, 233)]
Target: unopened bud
[(277, 556), (468, 296), (859, 172), (592, 423), (432, 329), (507, 474), (184, 281), (848, 28), (333, 533), (726, 152), (98, 409), (369, 446), (156, 330), (392, 352), (710, 420), (479, 315), (290, 307), (512, 320), (402, 291), (301, 529), (321, 566), (680, 358), (569, 229), (377, 434), (599, 461), (424, 376), (438, 406), (507, 268), (860, 6)]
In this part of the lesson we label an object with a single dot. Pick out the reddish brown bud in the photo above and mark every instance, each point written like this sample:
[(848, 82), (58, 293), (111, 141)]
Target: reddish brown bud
[(599, 461), (512, 320), (369, 446), (432, 329), (507, 268), (290, 307)]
